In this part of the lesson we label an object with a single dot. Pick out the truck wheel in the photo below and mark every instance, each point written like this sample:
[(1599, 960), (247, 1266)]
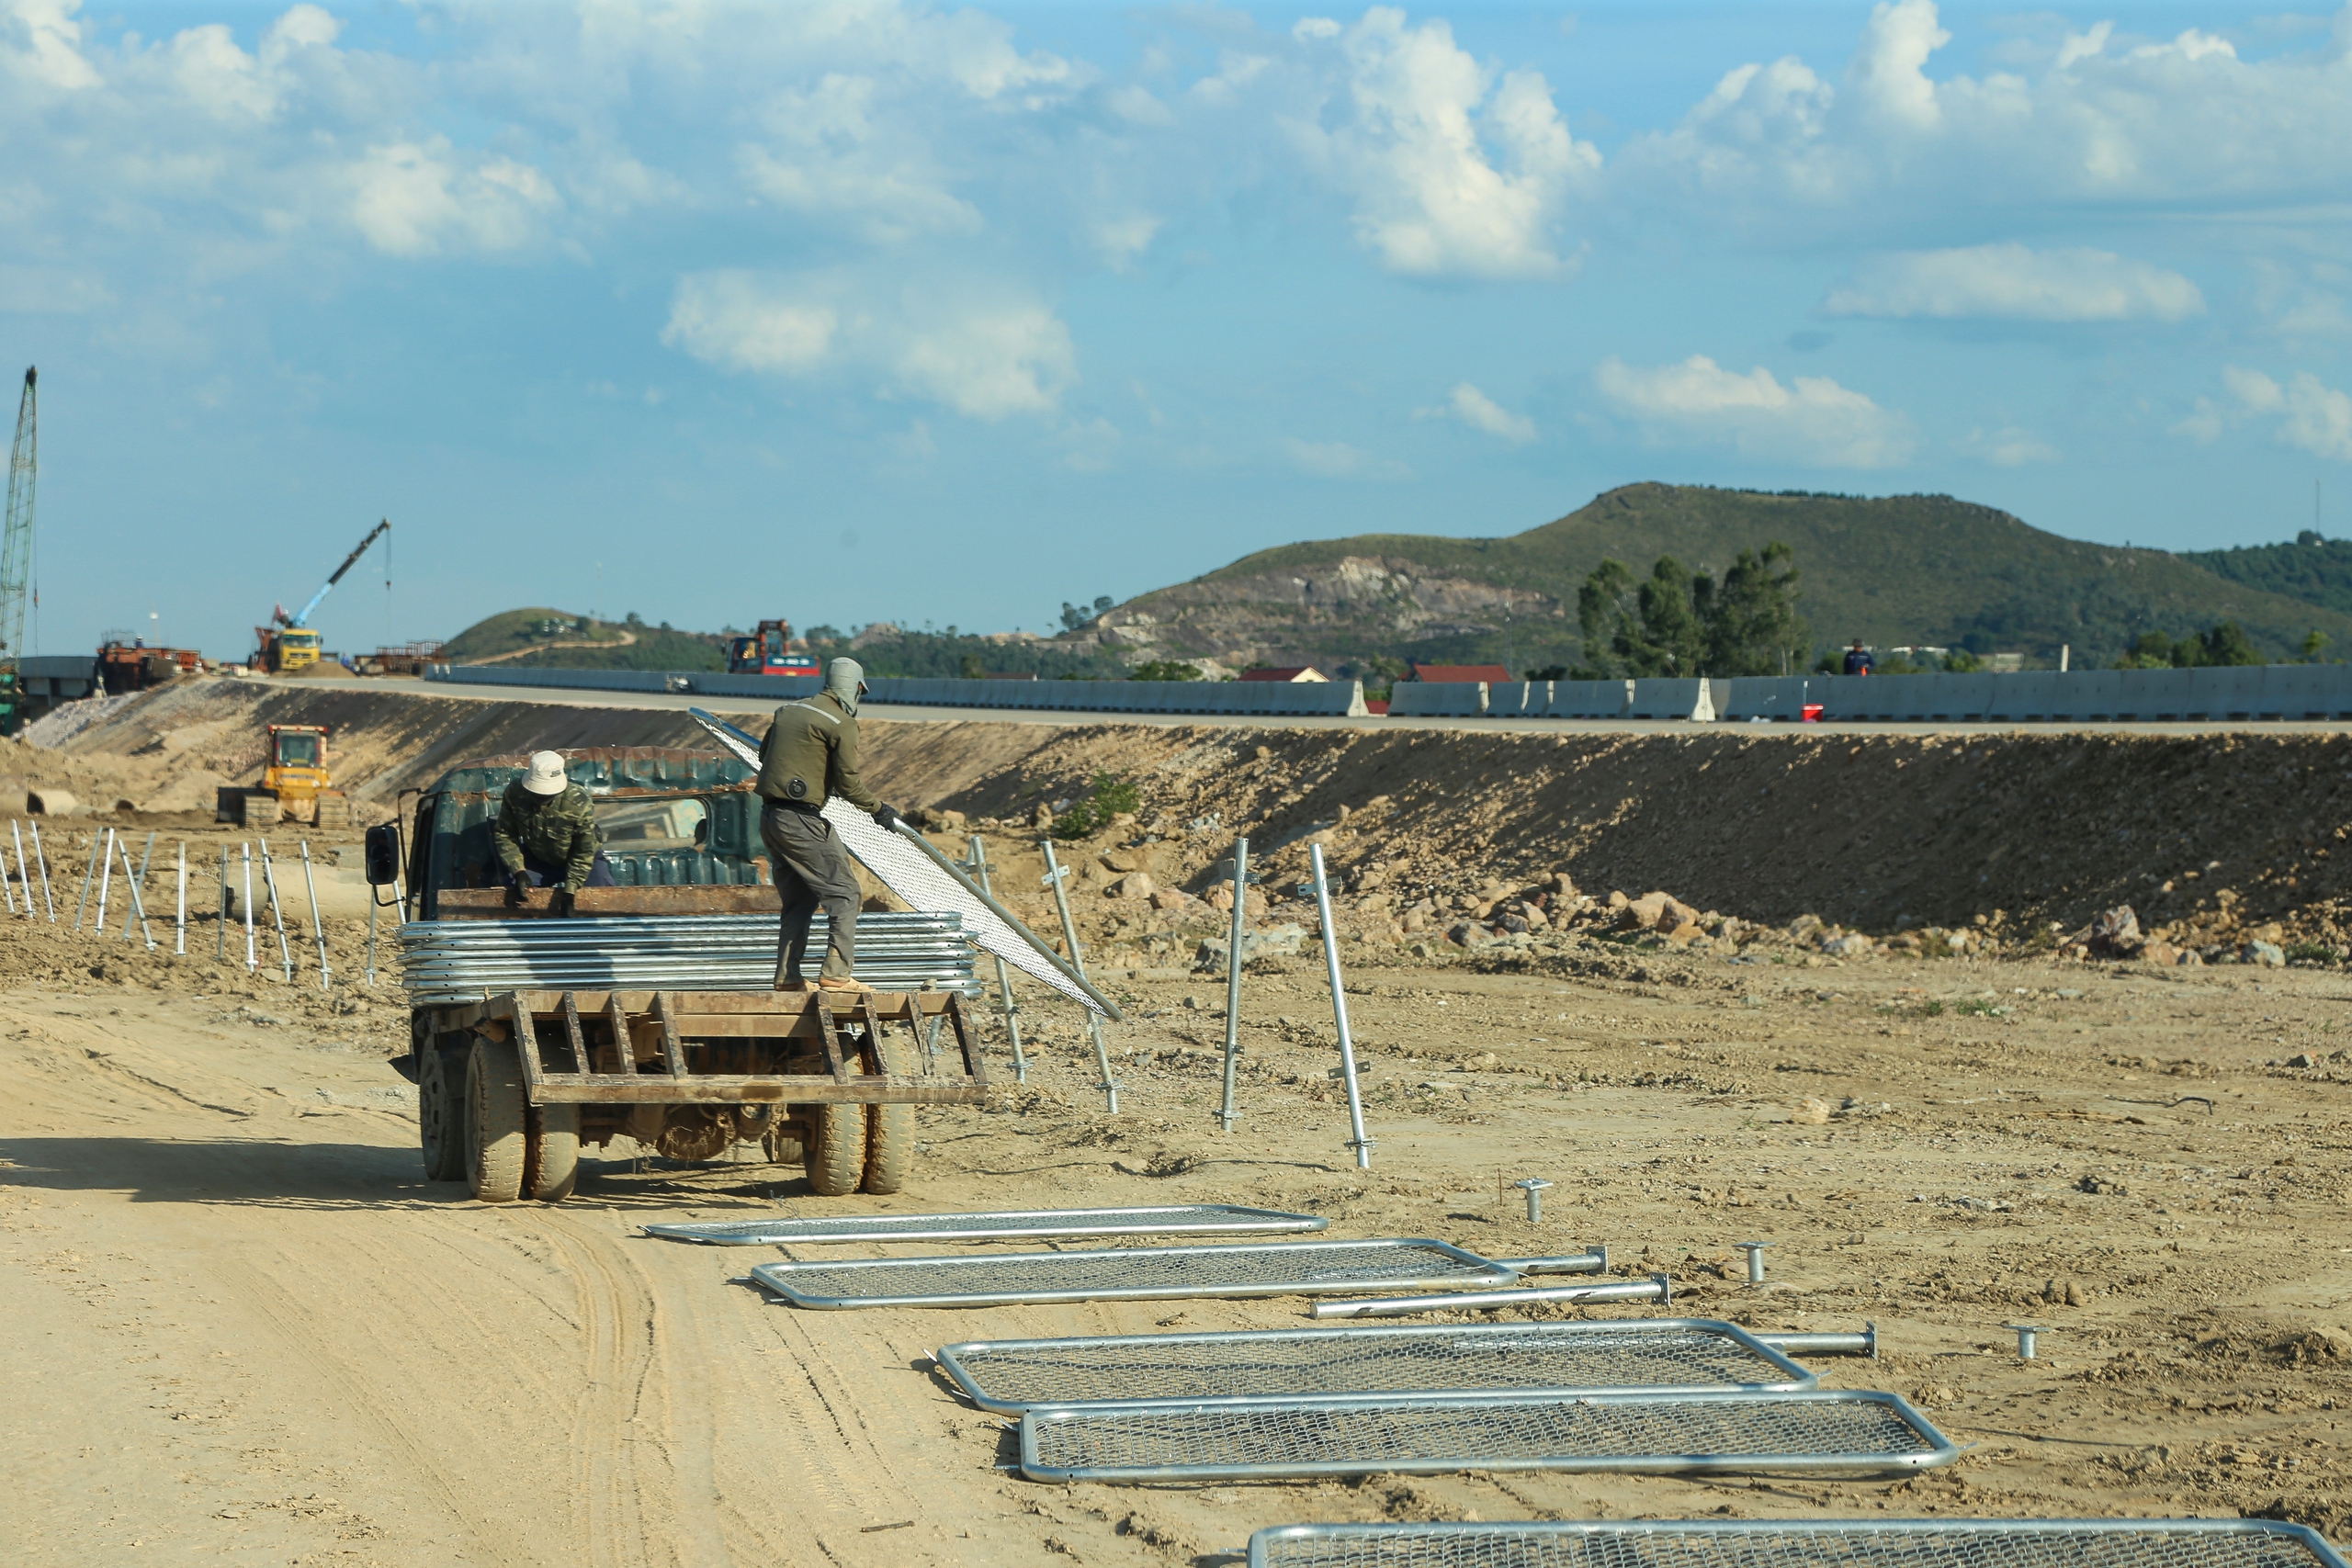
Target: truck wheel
[(495, 1122), (441, 1113), (889, 1129), (836, 1161), (554, 1151)]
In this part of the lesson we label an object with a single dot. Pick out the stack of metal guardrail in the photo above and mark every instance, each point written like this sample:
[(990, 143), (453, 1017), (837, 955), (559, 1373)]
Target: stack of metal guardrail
[(460, 961)]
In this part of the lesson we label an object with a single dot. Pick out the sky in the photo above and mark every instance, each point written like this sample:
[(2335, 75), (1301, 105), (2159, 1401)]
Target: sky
[(847, 312)]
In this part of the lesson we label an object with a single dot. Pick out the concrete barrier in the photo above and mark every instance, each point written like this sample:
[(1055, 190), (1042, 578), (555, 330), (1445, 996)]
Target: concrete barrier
[(1671, 697), (1518, 699), (1746, 698), (2093, 694), (1590, 699), (1274, 699), (2307, 691), (564, 679), (1437, 699)]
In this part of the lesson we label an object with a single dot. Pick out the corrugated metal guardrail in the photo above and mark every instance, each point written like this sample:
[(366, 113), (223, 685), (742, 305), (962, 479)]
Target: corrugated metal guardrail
[(1271, 698)]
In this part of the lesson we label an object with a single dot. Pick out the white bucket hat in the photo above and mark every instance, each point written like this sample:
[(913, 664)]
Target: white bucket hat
[(545, 775)]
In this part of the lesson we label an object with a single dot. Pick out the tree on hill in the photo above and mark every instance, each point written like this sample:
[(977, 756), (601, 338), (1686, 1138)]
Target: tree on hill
[(1677, 621), (2224, 642)]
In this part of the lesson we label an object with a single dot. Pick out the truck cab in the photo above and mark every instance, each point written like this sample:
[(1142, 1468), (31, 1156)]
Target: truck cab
[(768, 651)]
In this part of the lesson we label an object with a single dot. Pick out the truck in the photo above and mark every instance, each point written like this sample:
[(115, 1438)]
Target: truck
[(647, 1011), (768, 651), (295, 784)]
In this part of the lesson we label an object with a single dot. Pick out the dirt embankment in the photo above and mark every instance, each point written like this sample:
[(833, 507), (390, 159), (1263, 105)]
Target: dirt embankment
[(2212, 838)]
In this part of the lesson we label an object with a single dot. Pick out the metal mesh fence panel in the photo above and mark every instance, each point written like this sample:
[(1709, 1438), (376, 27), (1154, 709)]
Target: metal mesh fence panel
[(1842, 1431), (1158, 1273), (1802, 1544), (1167, 1219), (1654, 1356)]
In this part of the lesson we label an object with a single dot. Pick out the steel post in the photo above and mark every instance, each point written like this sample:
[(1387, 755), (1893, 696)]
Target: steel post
[(1003, 974), (1754, 1250), (8, 892), (146, 857), (1657, 1288), (317, 930), (1227, 1115), (87, 872), (1363, 1143), (138, 904), (1056, 875), (1533, 1186), (252, 962), (1825, 1344), (371, 935), (2029, 1338), (42, 860), (22, 869), (179, 942), (277, 909), (221, 919), (106, 880)]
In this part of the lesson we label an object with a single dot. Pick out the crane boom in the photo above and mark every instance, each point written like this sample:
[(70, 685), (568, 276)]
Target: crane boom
[(303, 616), (16, 544)]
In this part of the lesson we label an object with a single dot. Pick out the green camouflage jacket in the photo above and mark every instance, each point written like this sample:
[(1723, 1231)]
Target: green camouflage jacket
[(810, 755), (554, 829)]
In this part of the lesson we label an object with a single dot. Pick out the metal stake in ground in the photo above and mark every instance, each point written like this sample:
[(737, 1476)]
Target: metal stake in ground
[(87, 872), (1227, 1115), (1055, 875), (1361, 1143), (42, 860), (106, 878), (277, 909), (179, 941), (145, 856), (1754, 1250), (137, 905), (253, 963), (18, 830), (1533, 1186), (317, 930), (9, 892), (979, 863), (221, 921)]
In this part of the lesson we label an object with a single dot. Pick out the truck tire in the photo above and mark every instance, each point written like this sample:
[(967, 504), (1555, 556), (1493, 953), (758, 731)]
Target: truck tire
[(441, 1113), (836, 1160), (554, 1152), (496, 1122), (889, 1129)]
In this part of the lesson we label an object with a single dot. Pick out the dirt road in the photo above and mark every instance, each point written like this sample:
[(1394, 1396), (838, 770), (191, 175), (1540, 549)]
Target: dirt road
[(242, 1327)]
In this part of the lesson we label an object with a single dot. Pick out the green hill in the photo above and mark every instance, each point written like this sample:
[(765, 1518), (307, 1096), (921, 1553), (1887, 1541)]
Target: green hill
[(539, 636), (1893, 570), (2314, 569)]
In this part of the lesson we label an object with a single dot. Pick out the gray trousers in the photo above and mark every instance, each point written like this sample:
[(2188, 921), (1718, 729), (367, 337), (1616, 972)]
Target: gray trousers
[(812, 870)]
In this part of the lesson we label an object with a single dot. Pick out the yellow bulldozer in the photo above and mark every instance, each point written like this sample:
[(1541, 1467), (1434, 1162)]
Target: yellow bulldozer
[(294, 784)]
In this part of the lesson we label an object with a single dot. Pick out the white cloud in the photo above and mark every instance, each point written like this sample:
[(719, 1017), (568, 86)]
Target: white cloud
[(2008, 282), (1479, 411), (418, 199), (1338, 461), (41, 41), (1412, 148), (986, 360), (1813, 420), (1121, 239), (2310, 416), (52, 291), (2008, 447)]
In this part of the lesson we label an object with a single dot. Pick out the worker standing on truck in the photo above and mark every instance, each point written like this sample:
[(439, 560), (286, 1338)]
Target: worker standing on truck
[(809, 756), (546, 836)]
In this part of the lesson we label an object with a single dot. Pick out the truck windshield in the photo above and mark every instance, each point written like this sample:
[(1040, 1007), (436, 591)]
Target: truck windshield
[(298, 751), (638, 824)]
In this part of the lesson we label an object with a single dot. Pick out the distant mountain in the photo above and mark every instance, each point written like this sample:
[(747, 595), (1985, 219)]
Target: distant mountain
[(2314, 569), (1898, 570), (545, 638)]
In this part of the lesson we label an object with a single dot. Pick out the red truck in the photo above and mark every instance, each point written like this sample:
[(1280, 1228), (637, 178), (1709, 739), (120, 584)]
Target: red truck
[(768, 651)]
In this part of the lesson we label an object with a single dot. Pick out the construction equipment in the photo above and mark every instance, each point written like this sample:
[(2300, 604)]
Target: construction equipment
[(287, 644), (16, 551), (133, 665), (768, 651), (512, 1080), (294, 784)]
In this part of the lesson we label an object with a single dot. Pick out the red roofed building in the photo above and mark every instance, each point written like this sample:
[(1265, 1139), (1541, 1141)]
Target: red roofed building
[(1430, 674), (1289, 673)]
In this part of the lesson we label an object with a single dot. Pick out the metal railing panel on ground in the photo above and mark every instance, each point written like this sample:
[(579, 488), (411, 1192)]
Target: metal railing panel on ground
[(1005, 1225), (1651, 1355), (1801, 1543), (1166, 1273), (1845, 1431)]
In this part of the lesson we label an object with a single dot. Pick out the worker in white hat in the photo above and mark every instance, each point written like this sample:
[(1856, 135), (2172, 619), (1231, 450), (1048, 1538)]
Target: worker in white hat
[(546, 836)]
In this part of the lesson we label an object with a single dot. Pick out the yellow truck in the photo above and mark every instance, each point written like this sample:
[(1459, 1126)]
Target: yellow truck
[(294, 784)]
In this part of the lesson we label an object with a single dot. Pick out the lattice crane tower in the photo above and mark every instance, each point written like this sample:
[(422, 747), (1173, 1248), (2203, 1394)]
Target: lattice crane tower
[(16, 549)]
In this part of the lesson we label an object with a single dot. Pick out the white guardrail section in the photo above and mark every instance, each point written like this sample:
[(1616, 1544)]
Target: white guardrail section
[(2261, 691)]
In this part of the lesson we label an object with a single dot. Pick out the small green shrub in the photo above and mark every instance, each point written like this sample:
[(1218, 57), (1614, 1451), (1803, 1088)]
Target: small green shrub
[(1107, 797)]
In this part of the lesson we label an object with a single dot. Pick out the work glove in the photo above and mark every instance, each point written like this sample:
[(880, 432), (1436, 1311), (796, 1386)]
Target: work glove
[(560, 903), (885, 819), (517, 892)]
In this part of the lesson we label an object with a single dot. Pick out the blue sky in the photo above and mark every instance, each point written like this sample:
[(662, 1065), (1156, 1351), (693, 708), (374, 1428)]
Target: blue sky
[(853, 312)]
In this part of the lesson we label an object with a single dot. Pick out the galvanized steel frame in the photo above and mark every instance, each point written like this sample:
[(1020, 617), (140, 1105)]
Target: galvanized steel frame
[(1940, 1451), (951, 1359), (1154, 1221), (1266, 1544), (775, 1277)]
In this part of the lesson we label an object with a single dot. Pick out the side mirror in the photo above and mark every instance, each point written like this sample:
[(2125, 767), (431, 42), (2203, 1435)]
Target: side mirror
[(384, 854)]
